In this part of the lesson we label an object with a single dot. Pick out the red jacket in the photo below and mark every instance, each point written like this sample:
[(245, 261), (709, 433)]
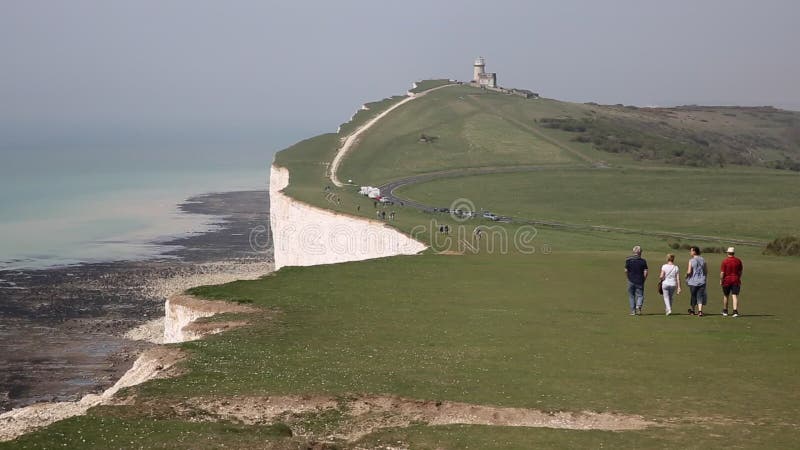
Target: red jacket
[(731, 269)]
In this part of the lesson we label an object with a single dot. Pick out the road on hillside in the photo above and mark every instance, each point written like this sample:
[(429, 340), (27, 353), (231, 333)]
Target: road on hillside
[(388, 191)]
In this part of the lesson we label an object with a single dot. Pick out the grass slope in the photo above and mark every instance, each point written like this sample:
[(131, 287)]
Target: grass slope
[(755, 204)]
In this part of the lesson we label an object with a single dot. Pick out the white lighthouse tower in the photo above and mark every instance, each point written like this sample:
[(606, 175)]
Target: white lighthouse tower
[(479, 68), (479, 75)]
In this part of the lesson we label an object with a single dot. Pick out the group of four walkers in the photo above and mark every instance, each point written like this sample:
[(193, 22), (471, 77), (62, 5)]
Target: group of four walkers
[(730, 278)]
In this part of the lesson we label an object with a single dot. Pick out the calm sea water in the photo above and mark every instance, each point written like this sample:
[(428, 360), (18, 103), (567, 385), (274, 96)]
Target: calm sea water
[(80, 211)]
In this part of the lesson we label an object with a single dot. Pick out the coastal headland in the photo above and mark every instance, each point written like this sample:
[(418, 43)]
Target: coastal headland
[(474, 317)]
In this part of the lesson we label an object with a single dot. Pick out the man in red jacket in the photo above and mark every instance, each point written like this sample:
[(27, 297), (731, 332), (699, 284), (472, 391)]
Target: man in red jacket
[(730, 278)]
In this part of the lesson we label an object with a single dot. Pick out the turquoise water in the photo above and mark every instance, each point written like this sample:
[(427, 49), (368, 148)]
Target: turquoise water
[(54, 216)]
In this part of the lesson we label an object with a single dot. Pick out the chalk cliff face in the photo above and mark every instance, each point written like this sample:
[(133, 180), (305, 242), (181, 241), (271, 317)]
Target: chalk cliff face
[(181, 312), (304, 235)]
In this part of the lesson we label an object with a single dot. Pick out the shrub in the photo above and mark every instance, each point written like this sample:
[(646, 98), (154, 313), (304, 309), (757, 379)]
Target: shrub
[(582, 138), (784, 246)]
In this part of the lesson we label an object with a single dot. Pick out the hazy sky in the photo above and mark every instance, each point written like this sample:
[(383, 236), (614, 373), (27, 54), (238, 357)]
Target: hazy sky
[(266, 73)]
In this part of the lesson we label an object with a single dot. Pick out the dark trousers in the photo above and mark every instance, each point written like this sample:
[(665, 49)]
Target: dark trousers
[(698, 295)]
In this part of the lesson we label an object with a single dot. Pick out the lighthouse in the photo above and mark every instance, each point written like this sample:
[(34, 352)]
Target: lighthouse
[(479, 75), (479, 68)]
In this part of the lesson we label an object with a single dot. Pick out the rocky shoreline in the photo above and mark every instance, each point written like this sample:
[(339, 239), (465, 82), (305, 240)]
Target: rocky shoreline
[(63, 330)]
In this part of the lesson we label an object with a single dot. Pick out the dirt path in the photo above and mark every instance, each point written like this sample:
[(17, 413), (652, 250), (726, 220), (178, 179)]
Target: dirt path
[(365, 414), (352, 139)]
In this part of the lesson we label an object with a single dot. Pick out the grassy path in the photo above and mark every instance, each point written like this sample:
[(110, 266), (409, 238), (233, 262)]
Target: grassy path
[(352, 139)]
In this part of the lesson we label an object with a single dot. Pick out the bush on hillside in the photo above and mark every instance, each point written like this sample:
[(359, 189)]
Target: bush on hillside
[(642, 139), (784, 246), (709, 249), (787, 164), (566, 124)]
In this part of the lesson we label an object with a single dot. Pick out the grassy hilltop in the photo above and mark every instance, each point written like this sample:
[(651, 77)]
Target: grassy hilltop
[(532, 318)]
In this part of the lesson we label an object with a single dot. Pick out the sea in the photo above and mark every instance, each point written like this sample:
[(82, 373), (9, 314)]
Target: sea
[(62, 206)]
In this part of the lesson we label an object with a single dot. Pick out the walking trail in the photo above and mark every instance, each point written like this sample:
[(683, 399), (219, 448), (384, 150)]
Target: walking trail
[(352, 139)]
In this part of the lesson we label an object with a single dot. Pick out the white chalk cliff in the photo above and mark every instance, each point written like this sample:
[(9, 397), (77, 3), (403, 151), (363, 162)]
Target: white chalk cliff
[(304, 235), (182, 311)]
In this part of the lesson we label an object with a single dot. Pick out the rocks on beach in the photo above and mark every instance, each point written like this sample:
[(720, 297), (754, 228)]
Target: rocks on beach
[(67, 332)]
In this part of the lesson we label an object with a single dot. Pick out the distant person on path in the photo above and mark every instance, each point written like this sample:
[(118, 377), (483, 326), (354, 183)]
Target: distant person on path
[(636, 269), (696, 273), (730, 278), (670, 282)]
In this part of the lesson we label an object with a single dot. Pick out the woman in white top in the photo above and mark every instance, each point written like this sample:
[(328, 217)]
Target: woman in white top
[(670, 281)]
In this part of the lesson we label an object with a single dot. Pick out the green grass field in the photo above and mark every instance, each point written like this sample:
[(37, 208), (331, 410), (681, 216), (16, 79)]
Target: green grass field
[(536, 323), (546, 331), (734, 204)]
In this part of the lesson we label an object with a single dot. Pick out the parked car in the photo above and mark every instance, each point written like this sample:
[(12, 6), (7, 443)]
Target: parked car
[(462, 213)]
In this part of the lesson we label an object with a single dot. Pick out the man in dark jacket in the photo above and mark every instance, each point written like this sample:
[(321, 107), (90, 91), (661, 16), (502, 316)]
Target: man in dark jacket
[(636, 269)]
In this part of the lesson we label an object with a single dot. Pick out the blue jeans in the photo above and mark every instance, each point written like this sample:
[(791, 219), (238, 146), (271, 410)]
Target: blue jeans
[(698, 295), (635, 295)]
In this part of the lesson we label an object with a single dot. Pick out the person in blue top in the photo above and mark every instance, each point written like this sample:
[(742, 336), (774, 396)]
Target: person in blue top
[(636, 269)]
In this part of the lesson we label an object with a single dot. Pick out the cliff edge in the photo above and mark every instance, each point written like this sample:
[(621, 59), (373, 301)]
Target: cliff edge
[(304, 235)]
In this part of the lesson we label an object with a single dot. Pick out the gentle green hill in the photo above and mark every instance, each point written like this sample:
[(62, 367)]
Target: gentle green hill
[(463, 126), (460, 127), (457, 127)]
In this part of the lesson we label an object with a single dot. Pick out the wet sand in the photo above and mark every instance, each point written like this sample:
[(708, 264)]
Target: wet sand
[(62, 329)]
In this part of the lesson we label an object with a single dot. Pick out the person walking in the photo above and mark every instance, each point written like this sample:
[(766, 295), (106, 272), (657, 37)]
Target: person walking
[(670, 282), (730, 278), (636, 269), (696, 273)]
